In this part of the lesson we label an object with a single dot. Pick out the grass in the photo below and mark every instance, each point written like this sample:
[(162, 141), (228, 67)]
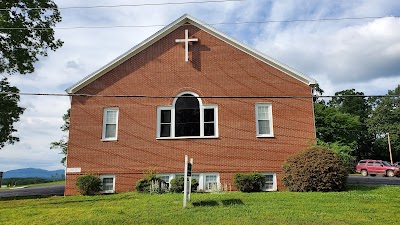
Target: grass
[(361, 204)]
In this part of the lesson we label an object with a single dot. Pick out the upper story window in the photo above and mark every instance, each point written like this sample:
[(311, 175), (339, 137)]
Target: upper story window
[(187, 118), (264, 120), (110, 124)]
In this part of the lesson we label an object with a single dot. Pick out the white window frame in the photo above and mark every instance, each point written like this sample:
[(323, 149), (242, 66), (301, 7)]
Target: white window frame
[(274, 184), (271, 134), (107, 176), (205, 184), (172, 127), (103, 136), (202, 179)]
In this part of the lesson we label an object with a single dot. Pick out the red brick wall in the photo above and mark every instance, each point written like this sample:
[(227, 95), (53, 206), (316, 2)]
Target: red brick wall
[(215, 69)]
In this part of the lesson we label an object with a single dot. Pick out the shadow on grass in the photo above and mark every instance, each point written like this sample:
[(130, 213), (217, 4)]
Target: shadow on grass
[(24, 197), (362, 187), (227, 202), (233, 201), (205, 203)]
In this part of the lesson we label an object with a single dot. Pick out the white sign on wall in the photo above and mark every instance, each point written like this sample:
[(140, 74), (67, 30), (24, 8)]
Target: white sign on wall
[(74, 170)]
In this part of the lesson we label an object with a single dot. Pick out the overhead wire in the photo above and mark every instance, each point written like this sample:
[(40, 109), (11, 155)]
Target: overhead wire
[(210, 97), (127, 5), (212, 24)]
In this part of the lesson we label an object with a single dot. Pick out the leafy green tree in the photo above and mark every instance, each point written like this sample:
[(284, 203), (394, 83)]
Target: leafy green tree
[(9, 112), (344, 152), (26, 32), (357, 106), (62, 144), (335, 126), (386, 119)]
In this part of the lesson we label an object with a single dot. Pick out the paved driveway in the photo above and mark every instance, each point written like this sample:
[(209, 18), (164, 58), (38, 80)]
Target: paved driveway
[(55, 189), (378, 180)]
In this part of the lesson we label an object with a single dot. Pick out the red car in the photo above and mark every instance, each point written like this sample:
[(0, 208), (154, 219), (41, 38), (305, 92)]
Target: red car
[(373, 167)]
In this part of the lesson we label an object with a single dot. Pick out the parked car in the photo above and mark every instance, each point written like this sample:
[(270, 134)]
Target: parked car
[(397, 164), (373, 167)]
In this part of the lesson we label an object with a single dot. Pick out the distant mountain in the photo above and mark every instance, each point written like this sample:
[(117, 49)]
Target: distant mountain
[(32, 172)]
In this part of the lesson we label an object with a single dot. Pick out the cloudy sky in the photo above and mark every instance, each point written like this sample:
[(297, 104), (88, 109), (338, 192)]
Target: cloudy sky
[(340, 54)]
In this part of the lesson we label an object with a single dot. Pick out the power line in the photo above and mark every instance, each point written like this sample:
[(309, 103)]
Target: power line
[(221, 23), (130, 5), (215, 97)]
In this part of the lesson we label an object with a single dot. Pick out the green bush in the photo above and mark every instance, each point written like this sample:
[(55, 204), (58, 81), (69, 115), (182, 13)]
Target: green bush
[(314, 169), (151, 183), (143, 185), (88, 184), (249, 182), (177, 185)]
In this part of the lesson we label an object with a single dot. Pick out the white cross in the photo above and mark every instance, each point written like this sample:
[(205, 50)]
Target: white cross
[(186, 40)]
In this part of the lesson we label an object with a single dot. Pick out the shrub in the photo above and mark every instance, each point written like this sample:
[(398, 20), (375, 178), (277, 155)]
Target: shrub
[(88, 184), (314, 169), (143, 185), (249, 182), (151, 183), (177, 185)]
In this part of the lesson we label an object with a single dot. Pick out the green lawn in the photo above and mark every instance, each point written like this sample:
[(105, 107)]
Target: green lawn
[(358, 205)]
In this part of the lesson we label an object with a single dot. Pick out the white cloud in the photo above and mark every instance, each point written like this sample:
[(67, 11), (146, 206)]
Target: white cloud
[(357, 52)]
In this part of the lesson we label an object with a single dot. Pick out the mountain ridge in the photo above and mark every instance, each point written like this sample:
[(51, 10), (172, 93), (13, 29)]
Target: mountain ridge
[(34, 172)]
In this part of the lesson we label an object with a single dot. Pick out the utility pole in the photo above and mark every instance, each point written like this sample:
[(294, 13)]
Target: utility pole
[(390, 150)]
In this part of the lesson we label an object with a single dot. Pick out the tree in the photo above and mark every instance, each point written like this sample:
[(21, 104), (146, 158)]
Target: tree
[(62, 144), (9, 112), (335, 126), (357, 106), (26, 33), (386, 119)]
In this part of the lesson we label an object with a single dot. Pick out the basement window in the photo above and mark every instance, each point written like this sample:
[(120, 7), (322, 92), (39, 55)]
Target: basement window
[(107, 183)]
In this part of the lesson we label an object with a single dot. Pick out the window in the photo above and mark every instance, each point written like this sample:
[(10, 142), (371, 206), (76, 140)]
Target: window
[(269, 182), (370, 163), (165, 178), (211, 182), (264, 120), (207, 181), (107, 183), (187, 118), (110, 124)]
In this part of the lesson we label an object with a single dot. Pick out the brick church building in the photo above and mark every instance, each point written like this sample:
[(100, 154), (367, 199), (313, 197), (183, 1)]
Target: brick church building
[(188, 90)]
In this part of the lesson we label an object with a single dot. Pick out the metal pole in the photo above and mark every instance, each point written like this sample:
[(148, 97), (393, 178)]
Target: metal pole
[(390, 150), (190, 180), (185, 182), (1, 177)]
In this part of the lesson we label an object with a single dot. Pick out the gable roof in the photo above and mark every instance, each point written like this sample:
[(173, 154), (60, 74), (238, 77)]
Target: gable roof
[(199, 24)]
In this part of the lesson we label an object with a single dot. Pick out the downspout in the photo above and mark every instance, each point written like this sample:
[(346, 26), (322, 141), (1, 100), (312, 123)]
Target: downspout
[(313, 94)]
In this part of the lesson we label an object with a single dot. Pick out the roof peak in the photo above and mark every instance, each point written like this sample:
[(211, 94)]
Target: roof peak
[(203, 26)]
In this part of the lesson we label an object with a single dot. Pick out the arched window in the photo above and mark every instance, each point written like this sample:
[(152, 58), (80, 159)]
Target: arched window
[(187, 118)]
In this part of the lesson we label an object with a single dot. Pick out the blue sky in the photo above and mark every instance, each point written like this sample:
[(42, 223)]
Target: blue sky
[(361, 54)]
